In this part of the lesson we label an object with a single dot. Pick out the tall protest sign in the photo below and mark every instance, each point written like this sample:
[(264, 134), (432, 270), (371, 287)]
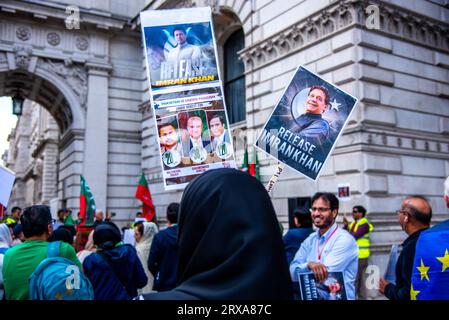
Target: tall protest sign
[(7, 178), (306, 123), (186, 94)]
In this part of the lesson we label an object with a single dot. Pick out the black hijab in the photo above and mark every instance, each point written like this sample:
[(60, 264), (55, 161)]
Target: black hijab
[(61, 234), (230, 245), (107, 235)]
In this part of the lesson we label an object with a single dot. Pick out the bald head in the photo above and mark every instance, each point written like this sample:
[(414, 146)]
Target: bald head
[(419, 208), (99, 215)]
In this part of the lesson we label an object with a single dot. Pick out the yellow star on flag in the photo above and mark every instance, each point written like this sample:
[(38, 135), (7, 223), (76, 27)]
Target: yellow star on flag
[(413, 293), (444, 260), (423, 270)]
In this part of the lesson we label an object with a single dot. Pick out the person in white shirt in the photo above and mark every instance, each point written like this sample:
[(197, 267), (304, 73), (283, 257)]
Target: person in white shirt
[(183, 50), (61, 219), (330, 248)]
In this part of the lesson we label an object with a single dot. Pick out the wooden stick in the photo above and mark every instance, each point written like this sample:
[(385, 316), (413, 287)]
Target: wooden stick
[(275, 177)]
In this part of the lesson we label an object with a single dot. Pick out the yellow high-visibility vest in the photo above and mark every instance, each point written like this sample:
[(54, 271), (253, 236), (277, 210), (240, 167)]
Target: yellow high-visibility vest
[(9, 221), (363, 242)]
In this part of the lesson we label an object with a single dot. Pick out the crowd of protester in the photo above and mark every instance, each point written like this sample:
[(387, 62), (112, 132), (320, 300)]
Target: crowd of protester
[(226, 245)]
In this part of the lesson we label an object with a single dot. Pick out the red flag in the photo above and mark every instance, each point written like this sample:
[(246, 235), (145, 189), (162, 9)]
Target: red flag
[(253, 168), (144, 195), (2, 212)]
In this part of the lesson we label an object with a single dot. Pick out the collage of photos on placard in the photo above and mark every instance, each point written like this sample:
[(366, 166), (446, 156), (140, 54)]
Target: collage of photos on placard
[(193, 135), (187, 99)]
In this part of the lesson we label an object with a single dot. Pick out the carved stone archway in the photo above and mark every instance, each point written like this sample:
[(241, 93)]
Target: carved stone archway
[(60, 87), (89, 77)]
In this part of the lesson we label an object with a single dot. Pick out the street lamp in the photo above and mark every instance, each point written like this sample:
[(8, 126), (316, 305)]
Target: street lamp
[(17, 104)]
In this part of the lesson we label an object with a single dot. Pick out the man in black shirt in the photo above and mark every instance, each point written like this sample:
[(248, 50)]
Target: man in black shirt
[(414, 217), (163, 258)]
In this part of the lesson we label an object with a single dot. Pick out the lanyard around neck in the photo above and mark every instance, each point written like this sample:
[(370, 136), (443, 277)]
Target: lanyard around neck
[(320, 252)]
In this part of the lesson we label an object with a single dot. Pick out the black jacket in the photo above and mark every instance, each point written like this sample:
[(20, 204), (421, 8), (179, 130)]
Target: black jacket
[(122, 270), (404, 268), (163, 258)]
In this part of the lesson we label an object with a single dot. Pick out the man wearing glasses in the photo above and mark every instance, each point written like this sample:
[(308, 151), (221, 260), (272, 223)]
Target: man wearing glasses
[(430, 275), (360, 228), (20, 261), (414, 217), (330, 249)]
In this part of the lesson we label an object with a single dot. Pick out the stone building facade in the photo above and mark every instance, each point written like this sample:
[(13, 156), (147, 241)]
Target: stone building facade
[(33, 155), (93, 82), (397, 141), (90, 82)]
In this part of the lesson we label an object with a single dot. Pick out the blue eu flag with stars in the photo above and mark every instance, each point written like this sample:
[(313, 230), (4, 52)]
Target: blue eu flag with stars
[(430, 276)]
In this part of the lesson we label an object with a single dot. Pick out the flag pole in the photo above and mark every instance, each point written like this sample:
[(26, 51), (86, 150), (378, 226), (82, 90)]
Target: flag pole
[(274, 177)]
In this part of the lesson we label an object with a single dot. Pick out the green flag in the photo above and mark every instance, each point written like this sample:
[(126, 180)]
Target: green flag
[(256, 161), (245, 161), (69, 220), (87, 204)]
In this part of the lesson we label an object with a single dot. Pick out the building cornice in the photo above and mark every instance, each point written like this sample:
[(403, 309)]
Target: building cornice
[(395, 21), (98, 68), (397, 142), (145, 107), (40, 10), (40, 145), (69, 136), (29, 172)]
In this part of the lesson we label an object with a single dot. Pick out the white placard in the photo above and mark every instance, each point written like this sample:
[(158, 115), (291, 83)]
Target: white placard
[(306, 123), (344, 192), (186, 92), (7, 178)]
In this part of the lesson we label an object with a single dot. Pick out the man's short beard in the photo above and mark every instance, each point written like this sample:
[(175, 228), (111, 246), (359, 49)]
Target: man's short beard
[(327, 223)]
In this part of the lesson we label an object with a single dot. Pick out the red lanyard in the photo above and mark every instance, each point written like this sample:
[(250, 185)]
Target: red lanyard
[(322, 249)]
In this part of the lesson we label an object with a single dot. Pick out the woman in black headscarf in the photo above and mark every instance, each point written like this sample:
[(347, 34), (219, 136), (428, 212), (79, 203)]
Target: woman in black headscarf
[(61, 234), (114, 270), (229, 242)]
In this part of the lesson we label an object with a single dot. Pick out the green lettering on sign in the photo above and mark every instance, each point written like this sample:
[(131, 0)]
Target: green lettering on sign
[(196, 153), (223, 149)]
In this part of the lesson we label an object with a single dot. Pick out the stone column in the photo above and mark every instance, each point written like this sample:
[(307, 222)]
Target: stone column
[(71, 155), (95, 164), (49, 173)]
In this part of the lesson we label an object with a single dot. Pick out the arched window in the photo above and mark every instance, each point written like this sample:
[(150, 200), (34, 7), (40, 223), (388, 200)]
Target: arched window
[(234, 78)]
